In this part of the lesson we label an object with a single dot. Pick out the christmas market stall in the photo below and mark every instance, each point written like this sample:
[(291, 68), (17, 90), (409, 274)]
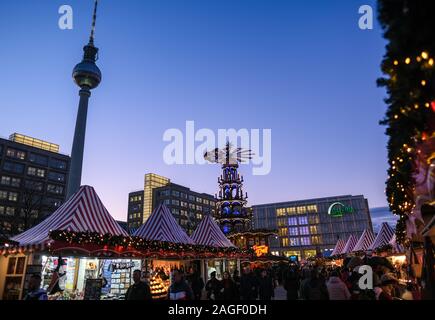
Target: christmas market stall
[(208, 233), (162, 227), (64, 249), (178, 250)]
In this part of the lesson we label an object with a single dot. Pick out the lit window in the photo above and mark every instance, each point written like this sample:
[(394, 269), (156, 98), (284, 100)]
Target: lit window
[(293, 231), (305, 241), (294, 242), (303, 220), (293, 221), (303, 230)]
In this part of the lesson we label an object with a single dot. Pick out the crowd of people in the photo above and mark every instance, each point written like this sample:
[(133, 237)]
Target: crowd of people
[(300, 283), (344, 283)]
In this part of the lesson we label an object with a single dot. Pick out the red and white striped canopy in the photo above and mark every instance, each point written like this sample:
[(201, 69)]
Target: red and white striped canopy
[(83, 212), (384, 236), (338, 247), (364, 241), (350, 244), (209, 234), (161, 225)]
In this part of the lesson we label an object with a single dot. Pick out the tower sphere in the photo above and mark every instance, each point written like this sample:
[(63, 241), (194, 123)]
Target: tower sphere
[(86, 73)]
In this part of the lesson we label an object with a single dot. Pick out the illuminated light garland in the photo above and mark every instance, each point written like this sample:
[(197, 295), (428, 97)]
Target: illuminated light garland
[(410, 83), (140, 244)]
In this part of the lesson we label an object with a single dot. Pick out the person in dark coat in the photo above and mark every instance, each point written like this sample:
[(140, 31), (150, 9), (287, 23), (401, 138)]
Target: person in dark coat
[(314, 288), (139, 290), (196, 283), (213, 287), (266, 289), (179, 289), (236, 279), (291, 284), (229, 290), (248, 285)]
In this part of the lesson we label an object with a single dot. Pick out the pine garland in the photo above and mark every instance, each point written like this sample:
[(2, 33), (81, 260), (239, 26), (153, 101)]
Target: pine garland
[(408, 66), (140, 244)]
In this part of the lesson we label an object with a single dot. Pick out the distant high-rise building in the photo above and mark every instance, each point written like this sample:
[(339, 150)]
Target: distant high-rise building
[(151, 182), (312, 227), (33, 180), (187, 206)]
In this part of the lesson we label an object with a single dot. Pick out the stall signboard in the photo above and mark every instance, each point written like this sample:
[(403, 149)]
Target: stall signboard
[(260, 250), (294, 258), (93, 289), (338, 209)]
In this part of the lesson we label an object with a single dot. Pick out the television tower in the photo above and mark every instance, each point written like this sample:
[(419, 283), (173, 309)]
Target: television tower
[(87, 76)]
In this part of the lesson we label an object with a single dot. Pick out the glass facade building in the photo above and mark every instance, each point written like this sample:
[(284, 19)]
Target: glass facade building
[(312, 227)]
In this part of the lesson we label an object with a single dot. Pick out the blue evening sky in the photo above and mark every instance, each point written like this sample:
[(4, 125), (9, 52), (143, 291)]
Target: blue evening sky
[(303, 69)]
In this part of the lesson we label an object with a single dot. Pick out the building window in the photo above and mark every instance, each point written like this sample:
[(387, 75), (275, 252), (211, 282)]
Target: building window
[(31, 171), (199, 200), (313, 220), (303, 230), (315, 240), (57, 164), (191, 198), (3, 195), (284, 242), (54, 176), (183, 195), (38, 159), (305, 241), (183, 204), (8, 181), (54, 189), (175, 202), (206, 202), (312, 208), (303, 220), (13, 167), (17, 154), (313, 229), (292, 221), (33, 185), (282, 232), (280, 212), (293, 231), (192, 206), (199, 208), (175, 193), (13, 196), (294, 242), (167, 202)]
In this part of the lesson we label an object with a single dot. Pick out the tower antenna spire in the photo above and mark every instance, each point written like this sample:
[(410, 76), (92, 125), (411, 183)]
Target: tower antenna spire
[(94, 19)]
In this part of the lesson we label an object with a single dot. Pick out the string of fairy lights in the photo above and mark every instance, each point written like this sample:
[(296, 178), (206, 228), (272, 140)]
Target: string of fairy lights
[(140, 244), (406, 118)]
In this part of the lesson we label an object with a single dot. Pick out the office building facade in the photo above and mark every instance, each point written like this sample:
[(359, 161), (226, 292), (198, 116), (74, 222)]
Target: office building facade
[(33, 180), (311, 227), (187, 206)]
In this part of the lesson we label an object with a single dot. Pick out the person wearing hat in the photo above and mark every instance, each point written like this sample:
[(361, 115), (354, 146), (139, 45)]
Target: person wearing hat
[(387, 283)]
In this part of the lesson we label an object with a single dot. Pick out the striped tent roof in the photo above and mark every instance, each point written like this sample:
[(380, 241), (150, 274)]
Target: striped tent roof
[(162, 226), (384, 236), (209, 234), (83, 212), (350, 244), (338, 247), (364, 241)]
